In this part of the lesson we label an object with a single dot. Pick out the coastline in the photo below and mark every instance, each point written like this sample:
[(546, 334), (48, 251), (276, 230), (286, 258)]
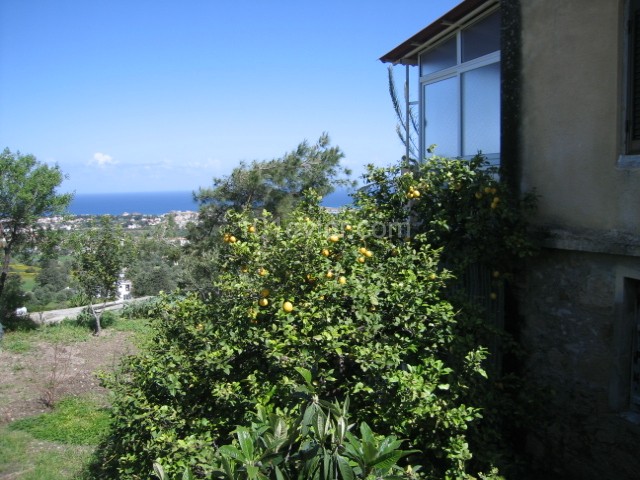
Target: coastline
[(160, 203)]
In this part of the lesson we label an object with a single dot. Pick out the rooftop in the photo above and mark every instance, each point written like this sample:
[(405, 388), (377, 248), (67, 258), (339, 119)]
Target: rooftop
[(407, 52)]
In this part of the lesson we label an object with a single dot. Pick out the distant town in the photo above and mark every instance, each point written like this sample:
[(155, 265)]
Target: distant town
[(129, 221)]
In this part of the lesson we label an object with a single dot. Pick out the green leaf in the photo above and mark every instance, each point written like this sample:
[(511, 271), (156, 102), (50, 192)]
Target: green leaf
[(187, 475), (304, 373), (232, 452), (159, 471), (252, 472), (386, 461), (246, 442), (345, 468), (228, 468), (321, 423)]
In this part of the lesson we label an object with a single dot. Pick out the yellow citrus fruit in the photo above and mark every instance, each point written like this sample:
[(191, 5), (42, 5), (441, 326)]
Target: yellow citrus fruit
[(264, 293), (251, 229), (262, 271), (342, 280), (325, 252), (363, 250), (232, 239), (360, 259), (287, 307), (433, 276), (416, 193), (368, 253), (334, 238), (329, 274), (348, 228), (263, 302)]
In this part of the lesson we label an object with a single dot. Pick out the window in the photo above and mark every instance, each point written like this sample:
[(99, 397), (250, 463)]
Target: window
[(633, 79), (625, 378), (460, 92), (634, 400)]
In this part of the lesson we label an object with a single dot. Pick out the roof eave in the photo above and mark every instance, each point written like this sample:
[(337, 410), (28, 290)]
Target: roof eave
[(407, 52)]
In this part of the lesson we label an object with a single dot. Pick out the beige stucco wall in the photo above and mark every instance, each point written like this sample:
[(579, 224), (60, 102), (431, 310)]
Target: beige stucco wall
[(572, 115)]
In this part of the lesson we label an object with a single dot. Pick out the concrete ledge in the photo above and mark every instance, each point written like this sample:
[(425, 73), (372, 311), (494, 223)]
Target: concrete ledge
[(612, 242)]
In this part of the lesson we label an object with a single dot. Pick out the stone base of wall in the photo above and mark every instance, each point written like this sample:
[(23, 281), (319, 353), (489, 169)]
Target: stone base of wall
[(578, 350)]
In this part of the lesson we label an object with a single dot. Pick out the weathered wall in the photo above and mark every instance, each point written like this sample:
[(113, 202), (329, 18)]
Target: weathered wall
[(575, 331), (578, 347), (571, 113)]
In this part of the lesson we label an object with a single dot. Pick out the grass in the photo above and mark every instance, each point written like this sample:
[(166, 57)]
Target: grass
[(58, 445), (15, 343), (22, 338), (74, 421), (24, 457), (27, 274)]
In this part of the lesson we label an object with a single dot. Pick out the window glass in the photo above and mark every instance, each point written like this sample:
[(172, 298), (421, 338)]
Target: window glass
[(441, 57), (481, 110), (633, 87), (441, 116), (481, 38)]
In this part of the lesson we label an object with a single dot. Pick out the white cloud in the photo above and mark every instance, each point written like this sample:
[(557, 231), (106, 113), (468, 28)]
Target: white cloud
[(102, 160)]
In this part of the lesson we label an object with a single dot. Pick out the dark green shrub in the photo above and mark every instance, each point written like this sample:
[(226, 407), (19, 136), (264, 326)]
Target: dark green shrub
[(87, 320), (361, 312), (319, 443), (140, 308), (360, 300)]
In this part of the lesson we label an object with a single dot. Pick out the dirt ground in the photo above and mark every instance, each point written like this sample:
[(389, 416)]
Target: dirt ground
[(32, 380)]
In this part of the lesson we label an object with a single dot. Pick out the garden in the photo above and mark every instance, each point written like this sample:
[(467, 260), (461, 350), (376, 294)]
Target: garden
[(308, 344)]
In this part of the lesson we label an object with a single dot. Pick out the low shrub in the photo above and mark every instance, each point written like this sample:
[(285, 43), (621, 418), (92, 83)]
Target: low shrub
[(319, 443), (140, 308)]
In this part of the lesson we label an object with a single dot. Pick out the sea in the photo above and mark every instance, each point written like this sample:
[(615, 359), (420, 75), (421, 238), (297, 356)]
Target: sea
[(158, 203)]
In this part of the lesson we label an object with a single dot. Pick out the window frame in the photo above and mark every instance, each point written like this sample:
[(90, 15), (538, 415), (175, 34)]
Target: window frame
[(626, 342), (630, 156), (456, 71)]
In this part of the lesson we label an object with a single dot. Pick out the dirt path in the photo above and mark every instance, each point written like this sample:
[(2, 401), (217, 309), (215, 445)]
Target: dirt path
[(49, 371)]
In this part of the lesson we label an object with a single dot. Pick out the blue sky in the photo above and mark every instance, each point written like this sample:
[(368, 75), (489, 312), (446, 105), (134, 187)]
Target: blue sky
[(159, 95)]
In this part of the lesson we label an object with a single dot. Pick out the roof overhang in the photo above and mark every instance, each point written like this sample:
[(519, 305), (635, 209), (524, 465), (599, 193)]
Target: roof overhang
[(407, 52)]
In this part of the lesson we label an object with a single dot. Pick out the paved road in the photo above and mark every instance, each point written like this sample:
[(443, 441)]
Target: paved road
[(55, 316)]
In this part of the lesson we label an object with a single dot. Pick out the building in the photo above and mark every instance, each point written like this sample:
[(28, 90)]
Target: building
[(125, 288), (551, 90)]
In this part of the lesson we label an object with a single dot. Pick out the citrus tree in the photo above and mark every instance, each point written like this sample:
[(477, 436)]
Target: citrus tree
[(460, 206), (362, 312), (276, 186)]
